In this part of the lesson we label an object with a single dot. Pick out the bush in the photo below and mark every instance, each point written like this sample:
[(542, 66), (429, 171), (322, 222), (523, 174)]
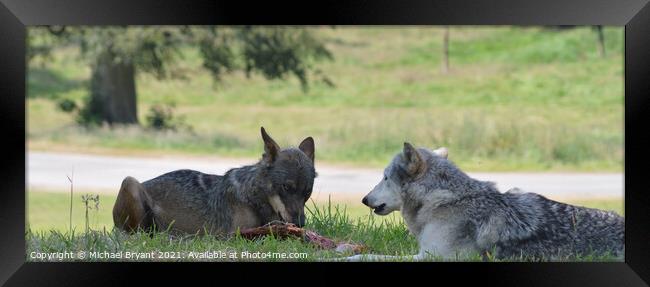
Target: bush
[(84, 115), (68, 105), (161, 117)]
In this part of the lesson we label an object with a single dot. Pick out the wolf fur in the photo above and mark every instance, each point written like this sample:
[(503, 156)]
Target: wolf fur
[(453, 215), (188, 201)]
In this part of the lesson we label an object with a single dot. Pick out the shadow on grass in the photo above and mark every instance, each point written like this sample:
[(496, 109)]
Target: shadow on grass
[(45, 83)]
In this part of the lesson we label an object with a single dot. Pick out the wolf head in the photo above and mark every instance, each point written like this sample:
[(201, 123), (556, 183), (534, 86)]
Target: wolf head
[(407, 167), (288, 178)]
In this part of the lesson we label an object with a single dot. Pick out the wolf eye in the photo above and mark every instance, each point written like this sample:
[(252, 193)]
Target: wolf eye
[(385, 177)]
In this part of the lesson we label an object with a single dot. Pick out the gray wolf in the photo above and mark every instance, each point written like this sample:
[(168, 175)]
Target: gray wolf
[(454, 216), (188, 201)]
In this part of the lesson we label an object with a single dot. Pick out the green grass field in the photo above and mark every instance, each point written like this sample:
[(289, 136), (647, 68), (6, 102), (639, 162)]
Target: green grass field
[(49, 231), (515, 99)]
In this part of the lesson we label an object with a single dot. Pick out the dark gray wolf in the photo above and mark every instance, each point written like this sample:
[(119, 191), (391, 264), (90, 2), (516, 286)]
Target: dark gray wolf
[(454, 216), (275, 188)]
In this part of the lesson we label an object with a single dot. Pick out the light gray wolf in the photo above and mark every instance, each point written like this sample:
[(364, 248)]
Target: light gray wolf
[(454, 216), (187, 201)]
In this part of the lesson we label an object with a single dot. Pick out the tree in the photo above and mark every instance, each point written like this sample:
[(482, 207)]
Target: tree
[(601, 40), (445, 50), (117, 54)]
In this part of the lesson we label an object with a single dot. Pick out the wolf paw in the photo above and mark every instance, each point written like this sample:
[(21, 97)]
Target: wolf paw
[(355, 258)]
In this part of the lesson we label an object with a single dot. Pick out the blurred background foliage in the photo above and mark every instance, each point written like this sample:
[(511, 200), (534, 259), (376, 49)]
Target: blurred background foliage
[(501, 98)]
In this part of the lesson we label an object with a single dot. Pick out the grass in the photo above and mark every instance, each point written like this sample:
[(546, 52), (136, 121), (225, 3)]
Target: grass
[(48, 232), (515, 99), (49, 210)]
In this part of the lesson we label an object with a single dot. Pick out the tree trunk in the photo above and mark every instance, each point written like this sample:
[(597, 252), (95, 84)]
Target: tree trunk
[(601, 40), (113, 97), (445, 51)]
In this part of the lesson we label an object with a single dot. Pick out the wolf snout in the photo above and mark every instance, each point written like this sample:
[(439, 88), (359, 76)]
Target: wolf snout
[(299, 221), (374, 205)]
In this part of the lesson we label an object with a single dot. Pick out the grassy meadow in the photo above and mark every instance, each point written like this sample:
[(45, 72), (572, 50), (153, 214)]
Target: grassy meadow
[(49, 231), (515, 99)]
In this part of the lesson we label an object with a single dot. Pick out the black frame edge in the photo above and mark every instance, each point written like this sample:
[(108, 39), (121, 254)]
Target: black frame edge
[(12, 118), (12, 89), (351, 12), (637, 109)]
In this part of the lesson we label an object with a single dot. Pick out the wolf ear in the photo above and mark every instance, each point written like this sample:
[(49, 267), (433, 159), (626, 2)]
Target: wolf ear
[(442, 152), (414, 163), (271, 148), (307, 146)]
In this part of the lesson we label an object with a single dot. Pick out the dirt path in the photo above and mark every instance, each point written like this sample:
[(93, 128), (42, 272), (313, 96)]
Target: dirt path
[(47, 171)]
